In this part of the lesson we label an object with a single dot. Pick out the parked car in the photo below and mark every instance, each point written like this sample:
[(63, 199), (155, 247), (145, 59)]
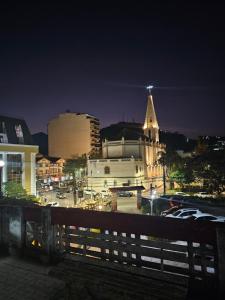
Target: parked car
[(170, 210), (90, 192), (105, 193), (207, 217), (204, 195), (184, 213), (52, 204), (124, 194), (181, 194), (60, 196)]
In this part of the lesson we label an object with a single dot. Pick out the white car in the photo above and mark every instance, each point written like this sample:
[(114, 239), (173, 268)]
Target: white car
[(204, 195), (90, 192), (105, 193), (181, 194), (52, 204), (207, 217), (184, 213)]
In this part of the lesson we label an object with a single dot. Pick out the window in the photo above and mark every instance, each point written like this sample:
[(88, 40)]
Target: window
[(14, 168), (187, 213), (107, 170), (128, 182), (136, 169), (19, 134), (115, 183), (105, 183)]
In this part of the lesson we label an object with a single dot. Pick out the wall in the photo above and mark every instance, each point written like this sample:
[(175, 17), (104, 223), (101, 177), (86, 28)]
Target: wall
[(121, 171)]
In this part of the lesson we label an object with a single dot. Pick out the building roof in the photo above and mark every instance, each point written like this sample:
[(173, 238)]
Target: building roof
[(50, 158), (14, 131)]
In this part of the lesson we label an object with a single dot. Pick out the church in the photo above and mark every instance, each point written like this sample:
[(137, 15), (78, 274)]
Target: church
[(130, 162)]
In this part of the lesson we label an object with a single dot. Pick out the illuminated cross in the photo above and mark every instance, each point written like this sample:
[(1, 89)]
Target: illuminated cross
[(149, 88)]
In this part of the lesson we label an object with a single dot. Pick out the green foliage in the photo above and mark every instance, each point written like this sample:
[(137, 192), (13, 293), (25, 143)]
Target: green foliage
[(210, 168), (206, 166), (73, 165), (178, 169), (14, 190)]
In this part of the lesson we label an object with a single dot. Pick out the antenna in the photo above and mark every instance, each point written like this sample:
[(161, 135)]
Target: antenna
[(149, 88)]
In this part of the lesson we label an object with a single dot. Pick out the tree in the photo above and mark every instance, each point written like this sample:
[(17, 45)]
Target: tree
[(15, 190), (209, 168), (183, 175), (74, 167), (178, 169)]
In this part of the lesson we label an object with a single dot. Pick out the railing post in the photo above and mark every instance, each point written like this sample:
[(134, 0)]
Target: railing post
[(138, 199), (1, 226), (48, 240), (114, 201), (16, 230), (220, 233)]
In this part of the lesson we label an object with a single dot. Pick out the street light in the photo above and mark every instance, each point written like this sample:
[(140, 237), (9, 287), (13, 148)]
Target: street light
[(161, 154), (2, 163), (152, 197)]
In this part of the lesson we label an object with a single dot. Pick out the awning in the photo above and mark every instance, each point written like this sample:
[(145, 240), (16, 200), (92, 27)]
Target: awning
[(127, 188)]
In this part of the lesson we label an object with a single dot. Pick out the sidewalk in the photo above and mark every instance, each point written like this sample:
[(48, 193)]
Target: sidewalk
[(23, 280)]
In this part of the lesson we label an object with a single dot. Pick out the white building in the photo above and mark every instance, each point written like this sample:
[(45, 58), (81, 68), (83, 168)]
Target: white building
[(130, 162)]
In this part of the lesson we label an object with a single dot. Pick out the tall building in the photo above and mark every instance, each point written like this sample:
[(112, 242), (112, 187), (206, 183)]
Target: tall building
[(130, 161), (151, 127), (73, 134), (18, 153)]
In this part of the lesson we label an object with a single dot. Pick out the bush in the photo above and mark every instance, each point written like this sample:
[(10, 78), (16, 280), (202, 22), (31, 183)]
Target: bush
[(14, 193)]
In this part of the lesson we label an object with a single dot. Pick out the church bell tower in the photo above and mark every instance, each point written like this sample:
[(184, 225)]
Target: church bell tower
[(151, 127)]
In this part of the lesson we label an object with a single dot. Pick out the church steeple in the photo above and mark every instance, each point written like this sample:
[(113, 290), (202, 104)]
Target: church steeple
[(151, 127)]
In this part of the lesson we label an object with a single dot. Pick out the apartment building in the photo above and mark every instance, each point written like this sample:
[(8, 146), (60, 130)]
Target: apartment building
[(73, 134)]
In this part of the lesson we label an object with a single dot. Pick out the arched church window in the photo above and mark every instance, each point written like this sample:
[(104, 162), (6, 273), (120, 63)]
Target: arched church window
[(107, 170), (136, 169)]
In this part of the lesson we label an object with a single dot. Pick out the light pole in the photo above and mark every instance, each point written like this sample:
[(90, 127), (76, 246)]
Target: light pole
[(2, 163), (74, 188), (163, 163)]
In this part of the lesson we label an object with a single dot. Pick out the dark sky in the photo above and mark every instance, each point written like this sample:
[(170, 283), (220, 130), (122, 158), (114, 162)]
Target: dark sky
[(94, 58)]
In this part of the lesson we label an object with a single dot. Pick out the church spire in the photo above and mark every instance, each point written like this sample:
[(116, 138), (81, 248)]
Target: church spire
[(151, 127)]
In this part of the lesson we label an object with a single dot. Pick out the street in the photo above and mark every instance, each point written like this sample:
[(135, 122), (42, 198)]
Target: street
[(128, 205), (124, 204)]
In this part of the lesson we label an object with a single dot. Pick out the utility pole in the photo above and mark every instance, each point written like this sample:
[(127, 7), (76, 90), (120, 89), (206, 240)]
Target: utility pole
[(74, 187), (164, 175), (2, 163)]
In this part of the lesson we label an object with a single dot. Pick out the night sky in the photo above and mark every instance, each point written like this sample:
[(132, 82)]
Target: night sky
[(97, 59)]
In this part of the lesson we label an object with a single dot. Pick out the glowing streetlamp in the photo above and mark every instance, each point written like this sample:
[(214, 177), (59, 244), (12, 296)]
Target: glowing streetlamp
[(2, 163)]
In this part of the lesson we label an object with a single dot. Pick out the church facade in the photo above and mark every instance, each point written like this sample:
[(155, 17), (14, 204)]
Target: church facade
[(130, 162)]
